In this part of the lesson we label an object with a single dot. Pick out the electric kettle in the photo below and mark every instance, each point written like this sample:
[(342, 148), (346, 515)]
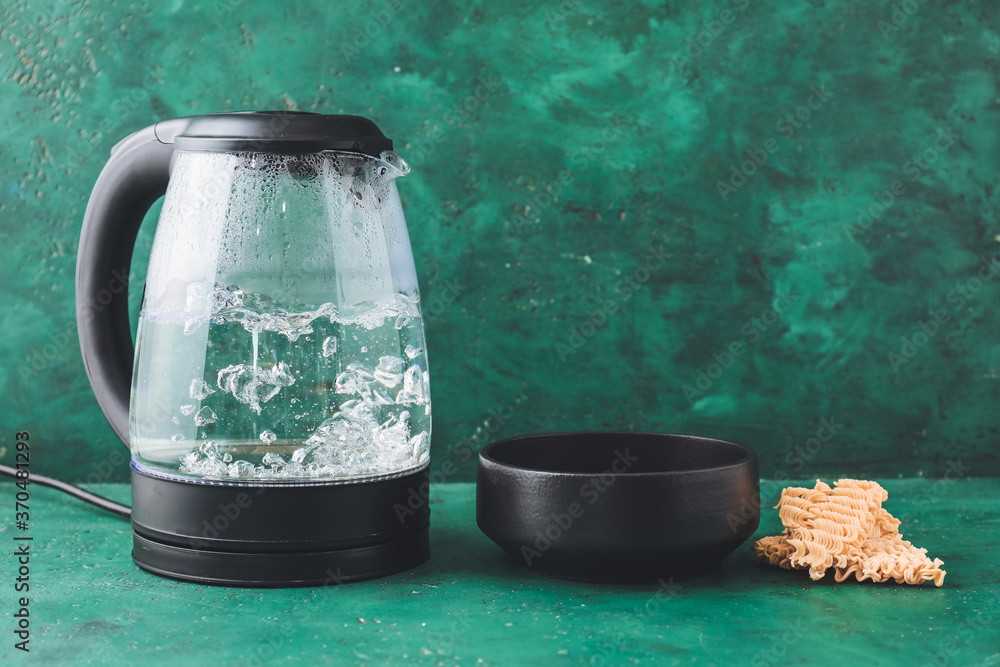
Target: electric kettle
[(276, 401)]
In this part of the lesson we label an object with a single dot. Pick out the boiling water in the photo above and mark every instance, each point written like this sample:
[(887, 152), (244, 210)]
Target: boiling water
[(235, 386)]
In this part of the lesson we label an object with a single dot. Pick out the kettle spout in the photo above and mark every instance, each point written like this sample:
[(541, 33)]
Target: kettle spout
[(390, 165)]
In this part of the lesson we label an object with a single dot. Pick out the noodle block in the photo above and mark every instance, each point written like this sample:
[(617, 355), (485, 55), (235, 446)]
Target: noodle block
[(844, 528)]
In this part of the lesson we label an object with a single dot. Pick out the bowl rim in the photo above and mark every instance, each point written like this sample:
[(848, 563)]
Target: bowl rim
[(485, 455)]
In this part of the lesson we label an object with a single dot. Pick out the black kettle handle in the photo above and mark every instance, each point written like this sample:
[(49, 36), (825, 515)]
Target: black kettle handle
[(135, 176)]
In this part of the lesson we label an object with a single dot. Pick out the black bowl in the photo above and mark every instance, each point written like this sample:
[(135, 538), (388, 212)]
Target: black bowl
[(618, 507)]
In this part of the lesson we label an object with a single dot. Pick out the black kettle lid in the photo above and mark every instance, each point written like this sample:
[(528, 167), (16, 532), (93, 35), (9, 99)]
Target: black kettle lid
[(280, 132)]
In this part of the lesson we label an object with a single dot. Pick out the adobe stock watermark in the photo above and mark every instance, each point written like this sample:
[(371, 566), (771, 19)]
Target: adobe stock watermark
[(486, 87), (229, 513), (955, 471), (451, 289), (800, 455), (752, 330), (365, 33), (461, 451), (625, 289), (433, 302), (796, 459), (33, 20), (559, 15), (777, 650), (580, 160), (560, 523), (756, 157), (211, 190), (634, 624), (900, 14), (711, 29), (284, 632), (443, 642), (78, 153), (965, 633), (117, 459), (914, 169), (40, 357), (926, 330)]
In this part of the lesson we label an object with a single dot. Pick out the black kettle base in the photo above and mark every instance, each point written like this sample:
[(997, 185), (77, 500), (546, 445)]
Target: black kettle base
[(280, 570), (279, 535)]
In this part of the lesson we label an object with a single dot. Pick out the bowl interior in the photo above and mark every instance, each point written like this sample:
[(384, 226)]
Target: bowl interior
[(593, 453)]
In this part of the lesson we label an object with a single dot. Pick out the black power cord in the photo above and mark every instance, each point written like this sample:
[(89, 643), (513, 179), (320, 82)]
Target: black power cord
[(123, 511)]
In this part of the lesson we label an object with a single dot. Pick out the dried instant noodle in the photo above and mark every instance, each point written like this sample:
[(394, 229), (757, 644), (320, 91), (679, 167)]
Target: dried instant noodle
[(845, 528)]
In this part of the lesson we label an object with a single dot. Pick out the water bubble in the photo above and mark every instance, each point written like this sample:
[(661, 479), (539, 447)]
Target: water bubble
[(273, 460), (300, 454), (349, 382), (254, 385), (187, 410), (389, 371), (267, 437), (209, 449), (227, 457), (361, 370), (330, 346), (241, 469), (207, 466), (199, 389), (420, 444), (414, 391), (205, 416), (412, 352), (376, 396)]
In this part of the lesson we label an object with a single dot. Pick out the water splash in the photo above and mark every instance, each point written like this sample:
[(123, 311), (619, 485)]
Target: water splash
[(220, 304)]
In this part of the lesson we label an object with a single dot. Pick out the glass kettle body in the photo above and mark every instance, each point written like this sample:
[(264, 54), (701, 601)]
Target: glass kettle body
[(280, 347), (280, 336)]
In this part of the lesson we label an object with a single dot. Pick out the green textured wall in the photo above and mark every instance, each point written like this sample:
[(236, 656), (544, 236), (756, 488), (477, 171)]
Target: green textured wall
[(585, 248)]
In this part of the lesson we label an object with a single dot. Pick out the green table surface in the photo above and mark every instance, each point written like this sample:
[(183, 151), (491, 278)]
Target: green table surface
[(471, 605)]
